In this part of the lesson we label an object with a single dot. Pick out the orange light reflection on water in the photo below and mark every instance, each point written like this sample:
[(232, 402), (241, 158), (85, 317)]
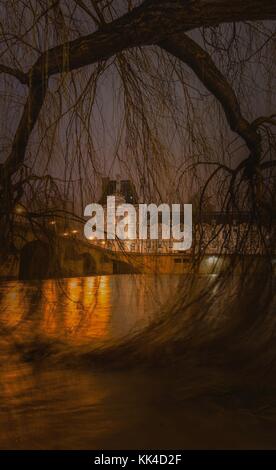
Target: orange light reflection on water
[(72, 310)]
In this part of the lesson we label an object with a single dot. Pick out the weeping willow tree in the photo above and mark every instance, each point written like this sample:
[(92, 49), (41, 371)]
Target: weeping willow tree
[(180, 95), (160, 87)]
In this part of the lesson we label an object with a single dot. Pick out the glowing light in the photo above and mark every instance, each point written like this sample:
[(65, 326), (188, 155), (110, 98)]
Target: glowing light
[(65, 234), (52, 222), (212, 259), (85, 315), (75, 231), (20, 209), (73, 283)]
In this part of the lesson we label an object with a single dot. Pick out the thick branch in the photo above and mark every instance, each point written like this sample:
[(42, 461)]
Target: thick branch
[(21, 76), (150, 23), (29, 117), (188, 51)]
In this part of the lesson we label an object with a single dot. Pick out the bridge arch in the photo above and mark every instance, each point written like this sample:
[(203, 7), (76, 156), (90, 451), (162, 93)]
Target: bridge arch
[(89, 264), (34, 260)]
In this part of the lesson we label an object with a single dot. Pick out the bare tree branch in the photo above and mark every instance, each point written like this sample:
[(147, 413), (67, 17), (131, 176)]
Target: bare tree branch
[(83, 6), (30, 114), (188, 51), (21, 76), (150, 23)]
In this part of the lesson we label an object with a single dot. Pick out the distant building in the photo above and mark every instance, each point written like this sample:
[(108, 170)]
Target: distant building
[(124, 188), (213, 232)]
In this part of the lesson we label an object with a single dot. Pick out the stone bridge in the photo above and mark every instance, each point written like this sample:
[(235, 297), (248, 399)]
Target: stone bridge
[(49, 255), (67, 257)]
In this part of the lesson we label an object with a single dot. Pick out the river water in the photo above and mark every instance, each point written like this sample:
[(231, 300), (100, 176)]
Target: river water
[(52, 404)]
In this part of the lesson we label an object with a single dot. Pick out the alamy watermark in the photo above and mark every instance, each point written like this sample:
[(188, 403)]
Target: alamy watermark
[(129, 222)]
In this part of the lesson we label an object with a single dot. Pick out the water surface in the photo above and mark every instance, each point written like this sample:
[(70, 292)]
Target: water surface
[(46, 404)]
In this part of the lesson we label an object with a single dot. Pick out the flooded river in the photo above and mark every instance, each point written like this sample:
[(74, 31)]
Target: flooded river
[(50, 404)]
